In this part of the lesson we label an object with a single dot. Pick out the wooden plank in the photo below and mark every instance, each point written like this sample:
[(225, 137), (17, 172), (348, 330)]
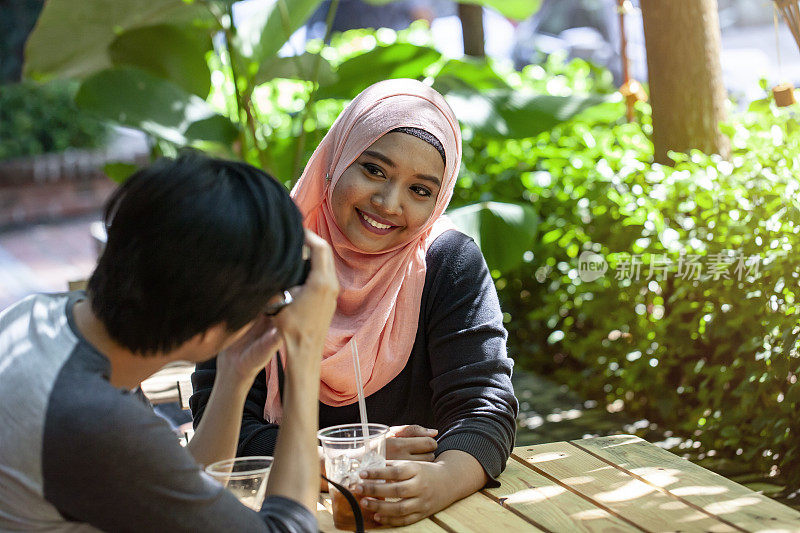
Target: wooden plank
[(632, 499), (479, 513), (551, 505), (325, 521), (694, 484), (185, 392)]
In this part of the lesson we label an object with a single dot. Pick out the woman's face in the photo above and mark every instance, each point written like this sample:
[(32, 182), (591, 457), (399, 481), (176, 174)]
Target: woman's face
[(389, 192)]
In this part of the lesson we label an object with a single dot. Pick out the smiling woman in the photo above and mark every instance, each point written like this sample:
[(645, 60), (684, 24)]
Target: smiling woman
[(415, 297)]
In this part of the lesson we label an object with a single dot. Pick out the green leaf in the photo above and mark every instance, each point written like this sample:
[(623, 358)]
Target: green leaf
[(467, 73), (399, 60), (298, 68), (71, 38), (133, 97), (515, 9), (504, 231), (215, 128), (119, 171), (167, 51), (513, 114), (261, 37)]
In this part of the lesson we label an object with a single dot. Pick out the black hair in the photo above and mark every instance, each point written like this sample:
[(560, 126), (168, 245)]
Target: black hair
[(425, 136), (192, 243)]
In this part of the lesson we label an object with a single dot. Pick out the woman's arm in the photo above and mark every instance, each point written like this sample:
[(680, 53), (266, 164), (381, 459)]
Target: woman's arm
[(473, 399), (256, 435)]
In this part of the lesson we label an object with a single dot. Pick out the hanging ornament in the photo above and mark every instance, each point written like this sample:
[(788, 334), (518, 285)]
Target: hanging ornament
[(631, 89), (789, 10), (783, 94)]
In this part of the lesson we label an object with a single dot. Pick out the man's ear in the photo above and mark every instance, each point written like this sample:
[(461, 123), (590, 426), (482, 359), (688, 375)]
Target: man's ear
[(212, 340)]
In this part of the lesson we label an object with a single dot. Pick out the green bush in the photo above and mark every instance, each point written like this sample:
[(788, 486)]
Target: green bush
[(36, 119), (713, 359)]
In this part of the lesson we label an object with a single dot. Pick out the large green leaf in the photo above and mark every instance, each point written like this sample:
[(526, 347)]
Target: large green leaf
[(133, 97), (71, 38), (215, 128), (515, 9), (513, 114), (399, 60), (167, 51), (469, 73), (504, 231), (298, 68), (262, 35)]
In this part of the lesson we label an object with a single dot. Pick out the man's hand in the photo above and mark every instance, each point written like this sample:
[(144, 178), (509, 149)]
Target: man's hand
[(251, 353), (411, 443), (309, 315), (303, 325)]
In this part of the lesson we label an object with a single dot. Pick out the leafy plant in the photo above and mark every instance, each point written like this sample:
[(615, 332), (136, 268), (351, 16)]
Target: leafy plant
[(37, 119), (712, 358)]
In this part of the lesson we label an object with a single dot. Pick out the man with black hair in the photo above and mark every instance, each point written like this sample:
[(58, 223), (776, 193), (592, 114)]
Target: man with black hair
[(199, 250)]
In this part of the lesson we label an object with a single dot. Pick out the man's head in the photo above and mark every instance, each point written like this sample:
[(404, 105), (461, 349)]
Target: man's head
[(193, 243)]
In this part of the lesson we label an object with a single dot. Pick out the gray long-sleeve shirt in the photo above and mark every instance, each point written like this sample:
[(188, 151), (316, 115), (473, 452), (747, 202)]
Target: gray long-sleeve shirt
[(77, 454)]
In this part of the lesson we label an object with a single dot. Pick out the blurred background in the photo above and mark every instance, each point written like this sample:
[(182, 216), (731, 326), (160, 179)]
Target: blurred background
[(561, 157)]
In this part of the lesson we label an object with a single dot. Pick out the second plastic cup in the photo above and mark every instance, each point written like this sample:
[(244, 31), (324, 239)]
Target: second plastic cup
[(245, 477), (347, 452)]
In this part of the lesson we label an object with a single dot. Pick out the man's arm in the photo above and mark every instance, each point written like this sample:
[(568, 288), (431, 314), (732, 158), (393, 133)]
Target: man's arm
[(302, 327), (256, 435), (109, 461), (304, 324), (217, 433)]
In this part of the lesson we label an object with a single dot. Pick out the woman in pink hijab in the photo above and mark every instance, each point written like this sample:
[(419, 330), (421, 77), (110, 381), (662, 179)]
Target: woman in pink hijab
[(415, 297)]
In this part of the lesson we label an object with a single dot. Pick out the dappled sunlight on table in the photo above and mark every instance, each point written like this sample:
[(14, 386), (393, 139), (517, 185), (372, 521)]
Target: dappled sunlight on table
[(629, 491), (732, 506), (544, 457), (697, 490), (579, 480), (535, 495), (661, 477), (591, 514)]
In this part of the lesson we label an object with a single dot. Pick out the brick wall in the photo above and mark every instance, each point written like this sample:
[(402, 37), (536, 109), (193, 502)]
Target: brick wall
[(54, 186)]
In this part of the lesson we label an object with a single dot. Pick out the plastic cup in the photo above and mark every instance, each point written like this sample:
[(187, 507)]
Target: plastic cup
[(347, 452), (245, 477)]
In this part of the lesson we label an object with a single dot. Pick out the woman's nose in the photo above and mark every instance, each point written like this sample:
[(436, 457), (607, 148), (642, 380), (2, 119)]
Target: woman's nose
[(388, 199)]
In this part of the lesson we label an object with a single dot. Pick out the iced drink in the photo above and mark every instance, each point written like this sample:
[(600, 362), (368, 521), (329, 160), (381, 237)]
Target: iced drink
[(343, 517), (347, 452)]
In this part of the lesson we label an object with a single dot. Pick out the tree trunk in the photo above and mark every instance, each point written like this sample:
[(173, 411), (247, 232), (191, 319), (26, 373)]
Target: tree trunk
[(686, 89), (472, 29)]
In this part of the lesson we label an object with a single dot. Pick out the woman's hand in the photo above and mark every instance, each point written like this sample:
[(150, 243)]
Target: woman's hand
[(411, 443), (423, 488), (418, 484)]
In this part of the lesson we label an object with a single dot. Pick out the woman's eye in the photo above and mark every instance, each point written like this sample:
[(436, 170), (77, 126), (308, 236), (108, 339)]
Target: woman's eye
[(373, 170), (421, 191)]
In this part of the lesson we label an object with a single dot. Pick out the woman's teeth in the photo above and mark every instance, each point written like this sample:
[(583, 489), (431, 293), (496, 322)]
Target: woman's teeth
[(374, 223)]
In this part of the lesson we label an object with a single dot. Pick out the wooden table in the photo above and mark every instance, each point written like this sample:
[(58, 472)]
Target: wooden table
[(608, 484)]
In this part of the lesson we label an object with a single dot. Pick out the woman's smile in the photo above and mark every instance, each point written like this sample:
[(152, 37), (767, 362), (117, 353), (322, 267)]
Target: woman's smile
[(374, 223)]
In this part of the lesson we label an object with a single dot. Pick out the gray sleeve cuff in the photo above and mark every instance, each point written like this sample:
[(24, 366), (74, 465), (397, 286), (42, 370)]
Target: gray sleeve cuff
[(287, 516), (484, 449)]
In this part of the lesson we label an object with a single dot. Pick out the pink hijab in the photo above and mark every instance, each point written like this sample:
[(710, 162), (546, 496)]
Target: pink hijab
[(380, 293)]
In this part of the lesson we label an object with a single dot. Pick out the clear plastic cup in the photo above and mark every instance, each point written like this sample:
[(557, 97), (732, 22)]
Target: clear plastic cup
[(245, 477), (347, 452)]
